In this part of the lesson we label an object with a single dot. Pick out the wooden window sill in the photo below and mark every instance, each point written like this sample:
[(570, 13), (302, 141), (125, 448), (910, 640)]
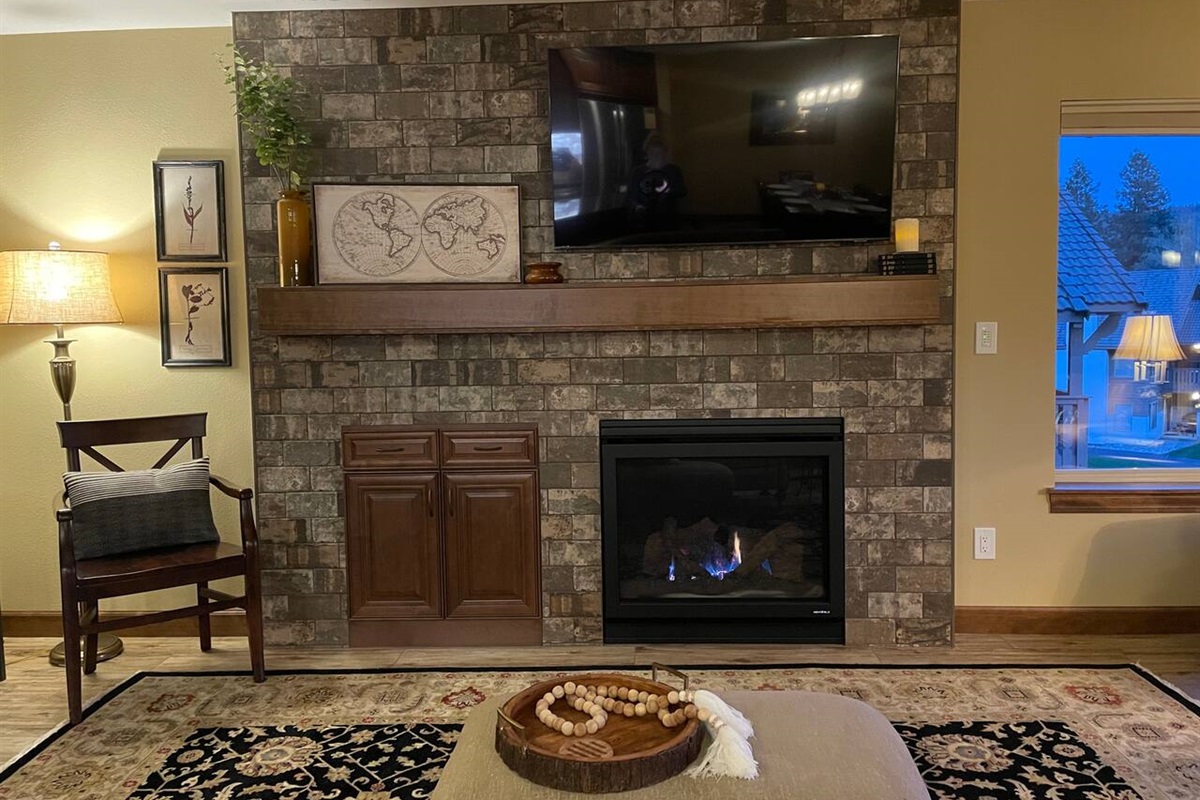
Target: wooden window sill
[(1124, 498)]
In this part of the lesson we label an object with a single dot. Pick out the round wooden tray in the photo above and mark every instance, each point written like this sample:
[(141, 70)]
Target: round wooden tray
[(627, 753)]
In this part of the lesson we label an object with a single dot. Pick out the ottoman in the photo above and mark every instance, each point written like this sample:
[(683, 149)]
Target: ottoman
[(809, 746)]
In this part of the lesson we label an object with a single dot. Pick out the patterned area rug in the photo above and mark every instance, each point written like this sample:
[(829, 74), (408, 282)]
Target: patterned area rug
[(978, 733)]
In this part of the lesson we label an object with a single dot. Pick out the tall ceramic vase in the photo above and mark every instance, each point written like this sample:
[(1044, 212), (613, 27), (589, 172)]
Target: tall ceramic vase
[(295, 239)]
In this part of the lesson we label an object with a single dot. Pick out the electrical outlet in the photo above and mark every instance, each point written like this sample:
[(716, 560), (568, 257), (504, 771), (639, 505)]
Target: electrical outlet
[(985, 542), (985, 338)]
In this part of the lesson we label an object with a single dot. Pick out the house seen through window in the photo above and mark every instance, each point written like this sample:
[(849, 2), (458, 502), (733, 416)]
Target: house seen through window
[(1127, 379)]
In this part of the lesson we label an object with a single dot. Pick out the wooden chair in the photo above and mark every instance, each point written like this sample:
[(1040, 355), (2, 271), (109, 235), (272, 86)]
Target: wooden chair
[(87, 581)]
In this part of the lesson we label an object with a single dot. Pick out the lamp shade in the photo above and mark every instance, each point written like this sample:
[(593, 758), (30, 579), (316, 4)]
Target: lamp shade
[(1149, 337), (52, 287)]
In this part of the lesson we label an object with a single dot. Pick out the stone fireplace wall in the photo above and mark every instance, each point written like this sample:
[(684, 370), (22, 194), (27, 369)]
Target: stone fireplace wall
[(458, 94)]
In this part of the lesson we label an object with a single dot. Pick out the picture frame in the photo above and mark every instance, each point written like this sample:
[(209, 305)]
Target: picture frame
[(193, 306), (189, 210), (417, 233)]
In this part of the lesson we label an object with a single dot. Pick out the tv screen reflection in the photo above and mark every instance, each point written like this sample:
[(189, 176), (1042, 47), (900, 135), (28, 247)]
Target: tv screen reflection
[(723, 143)]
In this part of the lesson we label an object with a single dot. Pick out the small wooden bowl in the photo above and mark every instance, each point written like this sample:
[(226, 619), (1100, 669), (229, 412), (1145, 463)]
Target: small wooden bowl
[(627, 753), (544, 272)]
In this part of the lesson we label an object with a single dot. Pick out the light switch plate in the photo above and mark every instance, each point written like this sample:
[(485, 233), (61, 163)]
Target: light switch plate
[(985, 338)]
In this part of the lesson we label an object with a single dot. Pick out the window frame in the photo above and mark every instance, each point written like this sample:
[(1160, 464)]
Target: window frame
[(1163, 117)]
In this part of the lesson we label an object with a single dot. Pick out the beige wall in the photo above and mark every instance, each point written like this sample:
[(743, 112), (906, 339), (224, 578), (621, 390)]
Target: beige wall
[(1020, 59), (82, 116)]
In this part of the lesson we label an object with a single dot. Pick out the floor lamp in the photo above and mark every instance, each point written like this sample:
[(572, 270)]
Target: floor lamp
[(59, 287), (1149, 341)]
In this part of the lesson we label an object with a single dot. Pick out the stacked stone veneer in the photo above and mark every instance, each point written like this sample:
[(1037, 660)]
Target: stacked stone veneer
[(458, 94)]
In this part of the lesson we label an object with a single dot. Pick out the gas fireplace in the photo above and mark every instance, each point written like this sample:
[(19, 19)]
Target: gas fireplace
[(723, 530)]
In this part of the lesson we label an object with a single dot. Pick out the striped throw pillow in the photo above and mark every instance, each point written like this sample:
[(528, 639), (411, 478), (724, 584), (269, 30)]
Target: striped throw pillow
[(120, 512)]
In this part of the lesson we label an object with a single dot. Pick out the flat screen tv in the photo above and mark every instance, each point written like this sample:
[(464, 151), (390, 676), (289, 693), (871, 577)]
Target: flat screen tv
[(731, 142)]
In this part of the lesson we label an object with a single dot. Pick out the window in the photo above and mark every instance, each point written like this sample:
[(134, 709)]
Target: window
[(1127, 379)]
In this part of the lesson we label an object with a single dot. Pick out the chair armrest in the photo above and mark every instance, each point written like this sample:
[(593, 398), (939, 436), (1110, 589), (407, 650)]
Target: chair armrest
[(228, 489), (66, 545), (245, 512)]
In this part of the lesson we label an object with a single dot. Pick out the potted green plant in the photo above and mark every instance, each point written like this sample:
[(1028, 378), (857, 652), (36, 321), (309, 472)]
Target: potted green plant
[(267, 107)]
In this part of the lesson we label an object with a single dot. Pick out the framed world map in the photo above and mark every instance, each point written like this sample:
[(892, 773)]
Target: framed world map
[(417, 233)]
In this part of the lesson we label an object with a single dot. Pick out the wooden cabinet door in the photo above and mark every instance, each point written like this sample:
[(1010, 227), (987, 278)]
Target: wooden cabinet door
[(394, 550), (492, 544)]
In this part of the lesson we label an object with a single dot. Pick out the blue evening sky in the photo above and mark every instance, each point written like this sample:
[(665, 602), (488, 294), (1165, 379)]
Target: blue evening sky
[(1177, 159)]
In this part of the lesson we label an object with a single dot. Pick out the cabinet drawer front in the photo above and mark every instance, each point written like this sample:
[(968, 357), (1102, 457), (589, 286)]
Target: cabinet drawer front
[(412, 449), (482, 448)]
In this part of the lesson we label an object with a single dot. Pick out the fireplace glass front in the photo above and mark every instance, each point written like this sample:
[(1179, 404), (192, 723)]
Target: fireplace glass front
[(722, 529), (723, 526)]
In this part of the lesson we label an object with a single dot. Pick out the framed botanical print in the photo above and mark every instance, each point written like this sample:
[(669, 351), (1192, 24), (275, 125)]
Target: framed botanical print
[(189, 210), (417, 233), (193, 307)]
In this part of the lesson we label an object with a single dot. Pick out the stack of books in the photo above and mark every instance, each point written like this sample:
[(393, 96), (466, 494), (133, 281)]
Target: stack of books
[(908, 264)]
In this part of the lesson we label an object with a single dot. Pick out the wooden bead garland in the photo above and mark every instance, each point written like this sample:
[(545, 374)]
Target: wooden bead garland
[(600, 701)]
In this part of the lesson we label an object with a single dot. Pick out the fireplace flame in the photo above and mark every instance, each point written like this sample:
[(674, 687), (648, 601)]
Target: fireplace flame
[(719, 567), (671, 570)]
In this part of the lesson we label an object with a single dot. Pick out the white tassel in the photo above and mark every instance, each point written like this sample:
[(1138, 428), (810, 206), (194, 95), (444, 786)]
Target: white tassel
[(728, 754), (725, 712)]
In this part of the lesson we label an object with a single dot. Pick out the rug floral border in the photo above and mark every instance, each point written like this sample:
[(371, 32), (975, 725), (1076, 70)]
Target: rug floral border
[(13, 766)]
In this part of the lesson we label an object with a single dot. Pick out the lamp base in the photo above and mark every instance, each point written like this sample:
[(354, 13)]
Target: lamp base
[(62, 369), (108, 648)]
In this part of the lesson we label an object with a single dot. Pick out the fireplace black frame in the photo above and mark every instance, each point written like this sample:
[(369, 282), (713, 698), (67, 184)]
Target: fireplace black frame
[(745, 620)]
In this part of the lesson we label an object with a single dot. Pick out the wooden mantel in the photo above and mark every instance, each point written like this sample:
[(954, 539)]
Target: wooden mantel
[(808, 301)]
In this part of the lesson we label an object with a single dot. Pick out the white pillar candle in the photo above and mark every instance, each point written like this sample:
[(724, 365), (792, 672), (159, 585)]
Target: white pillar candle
[(908, 235)]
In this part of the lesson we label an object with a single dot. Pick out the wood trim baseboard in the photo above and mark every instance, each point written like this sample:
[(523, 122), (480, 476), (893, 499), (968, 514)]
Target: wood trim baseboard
[(1112, 620), (48, 624)]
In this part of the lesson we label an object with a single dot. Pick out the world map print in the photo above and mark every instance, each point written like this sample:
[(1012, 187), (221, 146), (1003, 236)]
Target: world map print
[(386, 233), (376, 233), (463, 233)]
